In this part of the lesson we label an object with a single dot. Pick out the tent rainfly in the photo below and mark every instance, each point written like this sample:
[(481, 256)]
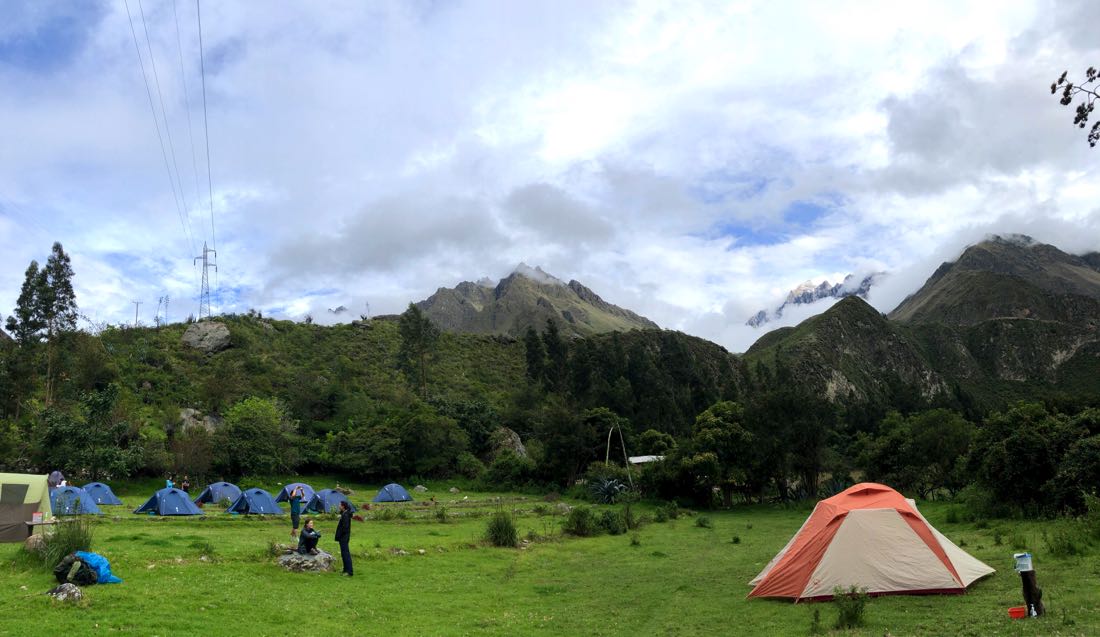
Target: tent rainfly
[(307, 492), (328, 501), (73, 501), (392, 492), (219, 492), (101, 494), (169, 501), (21, 496), (872, 537), (255, 501)]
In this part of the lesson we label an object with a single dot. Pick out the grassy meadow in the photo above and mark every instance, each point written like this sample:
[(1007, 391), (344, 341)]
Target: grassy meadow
[(215, 576)]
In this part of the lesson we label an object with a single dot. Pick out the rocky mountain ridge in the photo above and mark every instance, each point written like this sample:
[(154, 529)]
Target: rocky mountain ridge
[(527, 297)]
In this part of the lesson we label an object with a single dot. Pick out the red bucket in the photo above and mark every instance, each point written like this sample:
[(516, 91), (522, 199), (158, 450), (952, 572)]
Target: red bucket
[(1017, 612)]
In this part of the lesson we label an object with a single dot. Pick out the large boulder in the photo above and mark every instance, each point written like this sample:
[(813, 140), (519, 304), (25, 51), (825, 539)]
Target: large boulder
[(298, 563), (34, 543), (193, 418), (207, 336), (504, 439)]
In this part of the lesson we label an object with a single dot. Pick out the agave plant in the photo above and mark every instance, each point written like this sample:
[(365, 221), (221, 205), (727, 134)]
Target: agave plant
[(607, 490)]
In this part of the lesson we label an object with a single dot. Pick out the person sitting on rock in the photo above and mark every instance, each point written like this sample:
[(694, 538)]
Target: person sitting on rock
[(307, 540)]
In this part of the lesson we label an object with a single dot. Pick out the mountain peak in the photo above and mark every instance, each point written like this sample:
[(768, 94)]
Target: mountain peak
[(537, 274), (528, 297), (809, 292)]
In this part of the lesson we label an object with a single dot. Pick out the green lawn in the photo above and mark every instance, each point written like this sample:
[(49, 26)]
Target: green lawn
[(680, 580)]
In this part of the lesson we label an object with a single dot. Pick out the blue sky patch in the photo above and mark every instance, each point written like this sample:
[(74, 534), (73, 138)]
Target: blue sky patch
[(54, 35)]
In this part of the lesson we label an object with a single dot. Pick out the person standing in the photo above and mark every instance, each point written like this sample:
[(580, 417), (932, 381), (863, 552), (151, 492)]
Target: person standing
[(343, 536), (295, 509)]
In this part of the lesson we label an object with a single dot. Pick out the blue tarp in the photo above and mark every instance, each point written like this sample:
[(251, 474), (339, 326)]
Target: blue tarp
[(101, 494), (100, 565), (72, 501), (169, 502), (219, 492), (328, 501), (255, 501), (392, 492), (307, 492)]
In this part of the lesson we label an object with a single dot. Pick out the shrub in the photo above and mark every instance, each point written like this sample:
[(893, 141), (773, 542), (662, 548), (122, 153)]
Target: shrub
[(441, 514), (1066, 542), (635, 539), (736, 539), (606, 490), (997, 538), (672, 511), (581, 522), (703, 522), (467, 465), (661, 515), (632, 521), (540, 510), (387, 514), (612, 522), (501, 530), (509, 471), (67, 536), (850, 606)]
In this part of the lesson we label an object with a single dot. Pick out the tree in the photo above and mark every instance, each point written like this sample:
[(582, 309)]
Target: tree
[(25, 324), (418, 339), (720, 432), (98, 443), (1084, 108), (557, 354), (258, 439), (46, 307), (536, 355)]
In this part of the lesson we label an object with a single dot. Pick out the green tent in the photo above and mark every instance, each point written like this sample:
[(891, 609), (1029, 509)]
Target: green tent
[(21, 496)]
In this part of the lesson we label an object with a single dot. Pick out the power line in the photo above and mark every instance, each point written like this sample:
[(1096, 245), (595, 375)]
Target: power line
[(164, 114), (187, 104), (156, 124), (206, 132)]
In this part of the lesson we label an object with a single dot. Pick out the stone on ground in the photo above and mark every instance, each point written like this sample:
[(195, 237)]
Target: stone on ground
[(66, 593), (298, 563)]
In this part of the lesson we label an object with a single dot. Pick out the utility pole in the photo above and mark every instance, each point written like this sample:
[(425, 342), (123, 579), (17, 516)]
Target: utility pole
[(136, 305), (204, 292)]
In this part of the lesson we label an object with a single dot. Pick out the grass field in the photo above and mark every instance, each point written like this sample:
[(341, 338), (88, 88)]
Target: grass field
[(678, 579)]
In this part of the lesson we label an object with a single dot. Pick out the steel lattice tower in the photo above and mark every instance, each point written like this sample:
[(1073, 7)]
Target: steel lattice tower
[(204, 293)]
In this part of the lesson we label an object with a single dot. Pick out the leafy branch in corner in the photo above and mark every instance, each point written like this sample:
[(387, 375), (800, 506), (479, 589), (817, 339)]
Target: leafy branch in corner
[(1084, 109)]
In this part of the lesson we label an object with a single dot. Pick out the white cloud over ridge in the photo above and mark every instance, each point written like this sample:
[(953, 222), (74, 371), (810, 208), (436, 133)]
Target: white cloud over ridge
[(690, 163)]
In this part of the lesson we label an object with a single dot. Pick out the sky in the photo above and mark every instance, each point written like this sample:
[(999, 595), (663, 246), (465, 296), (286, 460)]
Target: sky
[(690, 161)]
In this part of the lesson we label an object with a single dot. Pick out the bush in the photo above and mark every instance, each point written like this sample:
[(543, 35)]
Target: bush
[(581, 522), (1068, 541), (612, 522), (508, 471), (703, 522), (68, 536), (467, 465), (606, 490), (441, 514), (502, 530), (850, 606), (635, 539), (736, 539)]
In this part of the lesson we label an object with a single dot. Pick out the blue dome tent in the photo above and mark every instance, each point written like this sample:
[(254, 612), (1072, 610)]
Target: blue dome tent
[(101, 494), (328, 501), (307, 492), (219, 492), (169, 502), (255, 501), (72, 501), (392, 492)]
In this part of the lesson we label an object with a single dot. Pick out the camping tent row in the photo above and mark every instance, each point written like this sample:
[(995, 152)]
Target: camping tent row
[(872, 537), (259, 501)]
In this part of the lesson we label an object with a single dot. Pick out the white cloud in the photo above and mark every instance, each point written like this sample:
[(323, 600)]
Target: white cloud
[(366, 153)]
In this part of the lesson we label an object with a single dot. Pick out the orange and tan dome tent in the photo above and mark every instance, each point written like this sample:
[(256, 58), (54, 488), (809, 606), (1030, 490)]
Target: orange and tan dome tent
[(872, 537)]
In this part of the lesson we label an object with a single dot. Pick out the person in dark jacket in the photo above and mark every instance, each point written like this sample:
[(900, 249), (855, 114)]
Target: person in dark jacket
[(295, 509), (307, 541), (343, 536)]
